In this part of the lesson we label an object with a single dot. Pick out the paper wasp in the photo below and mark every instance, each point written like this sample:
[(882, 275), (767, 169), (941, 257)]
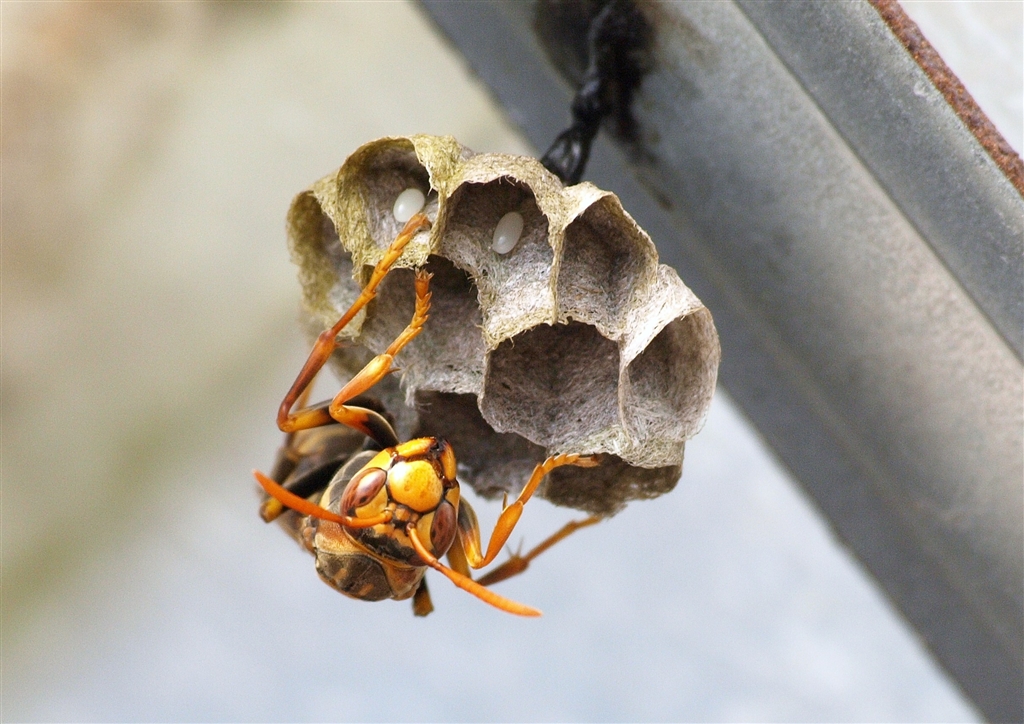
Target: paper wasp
[(376, 519)]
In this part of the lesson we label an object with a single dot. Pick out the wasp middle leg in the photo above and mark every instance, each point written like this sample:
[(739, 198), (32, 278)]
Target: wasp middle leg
[(517, 563), (469, 529), (377, 368)]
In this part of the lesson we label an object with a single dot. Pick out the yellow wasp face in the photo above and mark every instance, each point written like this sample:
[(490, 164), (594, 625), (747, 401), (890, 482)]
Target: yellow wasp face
[(414, 482)]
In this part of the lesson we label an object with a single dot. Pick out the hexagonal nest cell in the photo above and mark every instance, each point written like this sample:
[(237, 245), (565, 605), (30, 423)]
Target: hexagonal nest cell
[(575, 339)]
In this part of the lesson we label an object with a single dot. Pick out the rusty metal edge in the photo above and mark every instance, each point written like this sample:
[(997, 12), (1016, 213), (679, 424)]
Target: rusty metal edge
[(898, 121), (959, 99)]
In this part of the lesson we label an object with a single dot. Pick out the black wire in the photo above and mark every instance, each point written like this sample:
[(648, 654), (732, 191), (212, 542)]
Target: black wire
[(616, 41)]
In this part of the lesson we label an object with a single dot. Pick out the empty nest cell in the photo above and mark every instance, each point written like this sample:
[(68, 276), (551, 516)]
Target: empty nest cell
[(666, 382), (552, 384), (601, 265)]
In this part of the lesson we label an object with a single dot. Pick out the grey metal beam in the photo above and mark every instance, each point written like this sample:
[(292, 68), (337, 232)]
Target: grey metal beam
[(901, 128), (867, 326)]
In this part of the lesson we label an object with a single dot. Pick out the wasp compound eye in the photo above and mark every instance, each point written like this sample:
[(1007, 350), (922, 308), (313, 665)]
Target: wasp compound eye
[(365, 485), (442, 530)]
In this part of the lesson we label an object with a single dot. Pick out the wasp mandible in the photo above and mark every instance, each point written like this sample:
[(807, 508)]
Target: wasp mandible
[(384, 516)]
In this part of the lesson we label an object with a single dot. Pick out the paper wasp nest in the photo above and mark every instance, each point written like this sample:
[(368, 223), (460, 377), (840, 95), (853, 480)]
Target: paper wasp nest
[(576, 340)]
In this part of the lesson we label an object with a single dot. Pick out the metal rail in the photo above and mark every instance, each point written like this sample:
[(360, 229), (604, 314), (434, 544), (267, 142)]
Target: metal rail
[(862, 256)]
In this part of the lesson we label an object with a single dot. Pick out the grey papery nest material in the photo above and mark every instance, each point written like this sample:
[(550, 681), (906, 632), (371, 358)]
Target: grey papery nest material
[(577, 340)]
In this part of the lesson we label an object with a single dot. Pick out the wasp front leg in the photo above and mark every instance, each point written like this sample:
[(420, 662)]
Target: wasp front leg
[(367, 421), (517, 563), (469, 529), (379, 367), (308, 459)]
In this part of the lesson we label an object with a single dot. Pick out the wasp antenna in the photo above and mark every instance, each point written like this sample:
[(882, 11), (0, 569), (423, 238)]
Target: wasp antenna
[(467, 584), (305, 507)]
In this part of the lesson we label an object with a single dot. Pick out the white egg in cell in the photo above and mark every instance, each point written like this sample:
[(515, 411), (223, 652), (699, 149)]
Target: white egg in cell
[(507, 232), (408, 204)]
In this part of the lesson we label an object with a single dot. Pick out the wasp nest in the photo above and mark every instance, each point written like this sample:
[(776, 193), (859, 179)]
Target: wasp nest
[(566, 335)]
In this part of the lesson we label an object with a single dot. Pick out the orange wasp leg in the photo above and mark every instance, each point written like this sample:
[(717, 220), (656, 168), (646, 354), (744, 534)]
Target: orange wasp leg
[(377, 368), (286, 461), (469, 530), (326, 343), (468, 584), (421, 603), (516, 564)]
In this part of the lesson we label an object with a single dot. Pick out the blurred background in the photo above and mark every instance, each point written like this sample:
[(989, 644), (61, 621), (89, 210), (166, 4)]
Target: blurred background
[(150, 328)]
